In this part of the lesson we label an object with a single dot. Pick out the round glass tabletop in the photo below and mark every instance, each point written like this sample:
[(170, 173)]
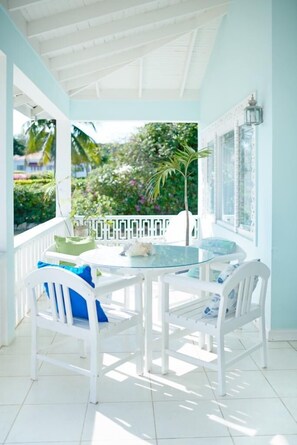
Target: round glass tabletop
[(164, 256)]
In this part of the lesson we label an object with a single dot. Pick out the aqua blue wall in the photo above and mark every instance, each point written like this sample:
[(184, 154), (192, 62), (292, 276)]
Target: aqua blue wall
[(284, 165), (256, 50), (240, 64), (21, 54), (186, 111)]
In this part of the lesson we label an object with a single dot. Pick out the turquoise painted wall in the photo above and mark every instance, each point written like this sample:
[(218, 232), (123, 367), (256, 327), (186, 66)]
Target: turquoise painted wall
[(284, 165), (186, 111), (240, 64), (256, 50), (20, 53)]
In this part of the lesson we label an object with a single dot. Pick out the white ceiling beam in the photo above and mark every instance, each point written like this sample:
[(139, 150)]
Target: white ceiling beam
[(140, 82), (112, 61), (80, 15), (149, 94), (20, 99), (125, 24), (188, 63), (183, 27), (15, 5)]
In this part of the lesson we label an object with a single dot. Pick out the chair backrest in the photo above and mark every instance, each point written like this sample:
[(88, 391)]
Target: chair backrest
[(244, 281), (176, 230), (58, 283)]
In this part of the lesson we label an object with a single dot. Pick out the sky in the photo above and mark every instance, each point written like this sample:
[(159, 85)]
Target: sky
[(107, 131)]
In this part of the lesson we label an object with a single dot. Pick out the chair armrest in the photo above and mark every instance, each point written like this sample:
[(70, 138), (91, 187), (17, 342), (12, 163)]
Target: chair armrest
[(107, 285), (51, 255), (191, 285)]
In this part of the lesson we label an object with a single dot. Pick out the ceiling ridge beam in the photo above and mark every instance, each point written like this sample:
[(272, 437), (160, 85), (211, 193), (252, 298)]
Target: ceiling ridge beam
[(126, 24), (122, 58), (80, 15), (184, 27)]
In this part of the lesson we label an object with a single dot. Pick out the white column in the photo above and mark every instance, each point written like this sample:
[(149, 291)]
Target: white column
[(63, 168), (7, 294)]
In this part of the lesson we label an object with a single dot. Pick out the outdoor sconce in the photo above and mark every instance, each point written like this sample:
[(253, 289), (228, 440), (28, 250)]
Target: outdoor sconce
[(253, 114)]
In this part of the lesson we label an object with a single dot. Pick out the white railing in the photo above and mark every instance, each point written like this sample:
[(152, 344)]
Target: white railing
[(28, 249), (29, 246), (115, 228)]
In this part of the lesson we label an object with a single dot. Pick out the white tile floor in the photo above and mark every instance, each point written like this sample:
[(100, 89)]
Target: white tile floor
[(181, 408)]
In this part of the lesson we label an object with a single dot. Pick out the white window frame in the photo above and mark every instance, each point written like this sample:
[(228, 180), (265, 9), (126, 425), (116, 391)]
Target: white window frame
[(232, 120)]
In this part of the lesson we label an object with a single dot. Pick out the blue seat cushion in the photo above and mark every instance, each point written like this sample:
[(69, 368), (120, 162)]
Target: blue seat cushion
[(78, 303), (219, 246)]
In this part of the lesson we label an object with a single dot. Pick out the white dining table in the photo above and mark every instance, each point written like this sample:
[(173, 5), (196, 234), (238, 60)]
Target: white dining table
[(165, 258)]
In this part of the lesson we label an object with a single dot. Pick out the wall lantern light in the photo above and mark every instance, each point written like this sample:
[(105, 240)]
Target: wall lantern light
[(253, 114)]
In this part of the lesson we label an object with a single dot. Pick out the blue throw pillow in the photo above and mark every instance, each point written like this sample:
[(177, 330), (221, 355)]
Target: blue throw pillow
[(78, 303)]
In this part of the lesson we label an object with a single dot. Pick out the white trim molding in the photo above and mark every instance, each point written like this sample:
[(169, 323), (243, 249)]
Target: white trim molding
[(282, 335)]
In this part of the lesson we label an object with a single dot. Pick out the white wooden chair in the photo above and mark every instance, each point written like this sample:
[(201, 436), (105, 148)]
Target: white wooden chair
[(221, 260), (190, 315), (60, 319), (52, 256)]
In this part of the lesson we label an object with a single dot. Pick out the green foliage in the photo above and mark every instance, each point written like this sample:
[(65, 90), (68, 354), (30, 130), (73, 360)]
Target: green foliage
[(120, 185), (31, 204), (19, 145), (41, 136)]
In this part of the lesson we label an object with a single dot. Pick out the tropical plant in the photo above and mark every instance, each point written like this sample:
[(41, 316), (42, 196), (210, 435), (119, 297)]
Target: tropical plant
[(41, 136), (178, 163), (19, 145)]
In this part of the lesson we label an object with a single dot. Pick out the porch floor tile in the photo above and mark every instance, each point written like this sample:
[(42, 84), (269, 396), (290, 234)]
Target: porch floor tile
[(180, 408)]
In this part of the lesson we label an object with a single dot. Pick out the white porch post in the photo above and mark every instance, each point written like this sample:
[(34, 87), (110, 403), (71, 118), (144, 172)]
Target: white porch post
[(7, 297), (63, 168)]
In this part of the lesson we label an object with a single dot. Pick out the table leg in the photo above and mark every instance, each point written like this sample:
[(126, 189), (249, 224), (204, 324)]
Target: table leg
[(148, 323)]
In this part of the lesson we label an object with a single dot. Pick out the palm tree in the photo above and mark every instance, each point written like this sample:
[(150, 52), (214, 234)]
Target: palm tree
[(178, 163), (41, 136)]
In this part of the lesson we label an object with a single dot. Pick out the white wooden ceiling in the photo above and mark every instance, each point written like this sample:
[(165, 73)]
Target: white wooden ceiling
[(121, 49)]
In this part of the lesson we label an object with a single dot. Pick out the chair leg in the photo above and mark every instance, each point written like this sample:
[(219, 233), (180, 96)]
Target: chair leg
[(34, 352), (140, 330), (93, 371), (165, 327), (264, 341), (221, 366)]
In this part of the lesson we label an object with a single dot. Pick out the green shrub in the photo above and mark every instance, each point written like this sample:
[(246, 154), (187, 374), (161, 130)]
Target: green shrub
[(31, 203)]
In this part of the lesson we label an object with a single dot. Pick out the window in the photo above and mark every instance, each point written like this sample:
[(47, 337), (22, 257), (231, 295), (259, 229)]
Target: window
[(210, 182), (246, 178), (228, 175)]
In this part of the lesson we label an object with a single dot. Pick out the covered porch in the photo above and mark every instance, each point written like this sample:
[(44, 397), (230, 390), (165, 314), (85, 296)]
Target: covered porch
[(254, 52)]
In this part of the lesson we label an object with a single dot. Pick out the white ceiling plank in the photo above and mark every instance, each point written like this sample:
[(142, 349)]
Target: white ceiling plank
[(98, 89), (140, 78), (110, 61), (188, 62), (80, 15), (67, 60), (15, 5), (85, 81), (125, 25)]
